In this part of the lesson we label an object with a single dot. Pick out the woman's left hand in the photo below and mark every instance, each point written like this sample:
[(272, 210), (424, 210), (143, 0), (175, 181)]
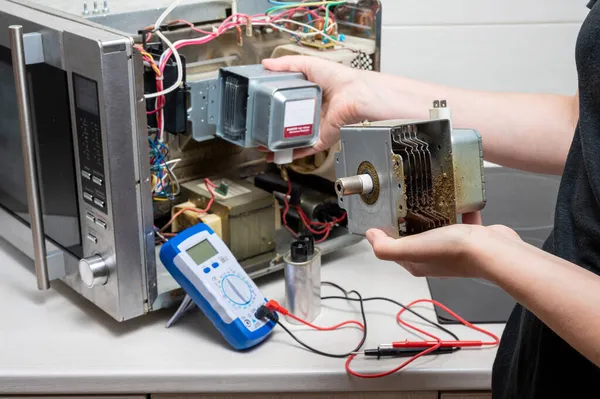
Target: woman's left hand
[(453, 251)]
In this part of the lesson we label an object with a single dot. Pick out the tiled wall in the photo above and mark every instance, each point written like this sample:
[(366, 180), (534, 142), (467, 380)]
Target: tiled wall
[(504, 45)]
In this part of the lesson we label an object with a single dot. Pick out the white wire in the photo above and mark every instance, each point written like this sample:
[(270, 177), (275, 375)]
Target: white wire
[(179, 68), (175, 53), (166, 13), (317, 31), (174, 162), (302, 34)]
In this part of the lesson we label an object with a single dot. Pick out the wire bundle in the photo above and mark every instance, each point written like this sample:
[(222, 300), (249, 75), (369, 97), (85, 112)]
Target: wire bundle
[(323, 229), (165, 185), (283, 13)]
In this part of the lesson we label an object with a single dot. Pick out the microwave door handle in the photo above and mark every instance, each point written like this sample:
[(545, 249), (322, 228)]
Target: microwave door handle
[(33, 187)]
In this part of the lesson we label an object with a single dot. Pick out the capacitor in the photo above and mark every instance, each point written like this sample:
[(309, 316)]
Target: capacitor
[(303, 279)]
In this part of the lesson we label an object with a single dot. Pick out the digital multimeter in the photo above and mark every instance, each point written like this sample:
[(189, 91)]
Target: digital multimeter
[(205, 268)]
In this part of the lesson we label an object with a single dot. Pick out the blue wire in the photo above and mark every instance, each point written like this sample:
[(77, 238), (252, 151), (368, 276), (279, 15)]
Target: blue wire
[(158, 160), (280, 3), (309, 21)]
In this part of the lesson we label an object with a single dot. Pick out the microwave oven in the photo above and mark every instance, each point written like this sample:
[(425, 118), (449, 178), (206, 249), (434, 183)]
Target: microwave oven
[(79, 189)]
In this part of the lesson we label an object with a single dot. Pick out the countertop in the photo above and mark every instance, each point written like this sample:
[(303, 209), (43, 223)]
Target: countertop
[(57, 342)]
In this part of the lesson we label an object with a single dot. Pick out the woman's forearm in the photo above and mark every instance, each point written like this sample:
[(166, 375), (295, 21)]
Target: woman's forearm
[(531, 132), (564, 296)]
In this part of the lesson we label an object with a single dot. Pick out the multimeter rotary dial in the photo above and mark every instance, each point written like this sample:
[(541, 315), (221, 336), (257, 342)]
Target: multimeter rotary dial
[(237, 290)]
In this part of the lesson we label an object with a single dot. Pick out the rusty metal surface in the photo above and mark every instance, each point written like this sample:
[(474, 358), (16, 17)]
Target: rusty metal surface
[(468, 170), (367, 168)]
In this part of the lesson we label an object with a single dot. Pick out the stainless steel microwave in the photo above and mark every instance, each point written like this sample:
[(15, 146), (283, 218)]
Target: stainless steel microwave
[(76, 184)]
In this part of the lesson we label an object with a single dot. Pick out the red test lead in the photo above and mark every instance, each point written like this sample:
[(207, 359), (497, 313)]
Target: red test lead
[(427, 344)]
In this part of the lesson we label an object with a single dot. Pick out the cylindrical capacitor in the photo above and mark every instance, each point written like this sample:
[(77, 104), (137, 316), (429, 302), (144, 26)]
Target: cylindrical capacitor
[(303, 280)]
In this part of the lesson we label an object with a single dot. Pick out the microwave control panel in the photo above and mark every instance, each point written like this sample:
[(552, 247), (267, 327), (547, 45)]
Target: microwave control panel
[(89, 138)]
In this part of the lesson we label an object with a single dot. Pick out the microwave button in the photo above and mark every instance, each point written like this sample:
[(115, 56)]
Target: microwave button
[(101, 223), (90, 217), (99, 202), (97, 180), (92, 238), (86, 175), (88, 197)]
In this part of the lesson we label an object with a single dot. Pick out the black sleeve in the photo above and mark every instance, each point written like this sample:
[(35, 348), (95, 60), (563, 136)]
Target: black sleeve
[(591, 4)]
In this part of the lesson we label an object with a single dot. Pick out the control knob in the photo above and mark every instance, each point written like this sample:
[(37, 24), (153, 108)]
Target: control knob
[(93, 271)]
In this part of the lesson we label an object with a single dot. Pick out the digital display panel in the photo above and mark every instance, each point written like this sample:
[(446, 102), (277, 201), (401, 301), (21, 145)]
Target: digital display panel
[(86, 94), (202, 252)]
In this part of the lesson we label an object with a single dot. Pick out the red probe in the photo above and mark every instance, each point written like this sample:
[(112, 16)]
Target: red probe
[(443, 344)]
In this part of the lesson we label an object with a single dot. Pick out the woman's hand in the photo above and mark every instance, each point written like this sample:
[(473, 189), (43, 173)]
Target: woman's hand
[(345, 93), (454, 251)]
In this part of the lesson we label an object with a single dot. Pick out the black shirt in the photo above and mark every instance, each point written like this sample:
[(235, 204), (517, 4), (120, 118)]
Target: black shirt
[(532, 361)]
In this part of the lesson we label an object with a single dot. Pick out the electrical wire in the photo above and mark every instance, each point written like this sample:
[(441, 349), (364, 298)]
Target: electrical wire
[(209, 187), (304, 4), (179, 80), (162, 170), (274, 306), (287, 208), (495, 339), (166, 13), (270, 19), (320, 352), (371, 299), (432, 346)]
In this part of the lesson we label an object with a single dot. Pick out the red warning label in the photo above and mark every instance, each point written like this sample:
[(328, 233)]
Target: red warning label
[(298, 131)]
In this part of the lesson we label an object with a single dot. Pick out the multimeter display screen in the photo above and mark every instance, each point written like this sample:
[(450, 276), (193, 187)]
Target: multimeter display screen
[(202, 252)]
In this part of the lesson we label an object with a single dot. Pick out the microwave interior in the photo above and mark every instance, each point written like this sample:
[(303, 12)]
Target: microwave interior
[(119, 171)]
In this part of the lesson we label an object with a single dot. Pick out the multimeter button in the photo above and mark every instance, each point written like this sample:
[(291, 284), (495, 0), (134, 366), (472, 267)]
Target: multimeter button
[(207, 270), (215, 265)]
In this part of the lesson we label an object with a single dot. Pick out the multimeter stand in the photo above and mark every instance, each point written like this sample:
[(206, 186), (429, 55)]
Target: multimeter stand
[(186, 305)]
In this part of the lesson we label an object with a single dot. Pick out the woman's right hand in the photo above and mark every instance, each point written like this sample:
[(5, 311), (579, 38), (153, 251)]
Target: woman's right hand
[(345, 93)]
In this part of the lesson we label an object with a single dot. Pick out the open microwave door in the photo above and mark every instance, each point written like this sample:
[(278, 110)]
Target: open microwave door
[(74, 179)]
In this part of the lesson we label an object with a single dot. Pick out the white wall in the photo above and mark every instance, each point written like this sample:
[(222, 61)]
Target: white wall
[(503, 45)]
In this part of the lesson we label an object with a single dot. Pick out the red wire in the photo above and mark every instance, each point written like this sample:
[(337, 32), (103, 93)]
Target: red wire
[(192, 26), (435, 345), (327, 226), (275, 306), (209, 186), (495, 338), (385, 374), (225, 26), (154, 111), (287, 209)]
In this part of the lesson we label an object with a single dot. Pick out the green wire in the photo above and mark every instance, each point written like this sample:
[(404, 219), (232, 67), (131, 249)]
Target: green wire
[(327, 14), (327, 7)]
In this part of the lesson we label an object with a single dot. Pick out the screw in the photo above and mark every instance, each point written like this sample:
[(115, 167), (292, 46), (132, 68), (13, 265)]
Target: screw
[(106, 10), (96, 11), (85, 8)]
